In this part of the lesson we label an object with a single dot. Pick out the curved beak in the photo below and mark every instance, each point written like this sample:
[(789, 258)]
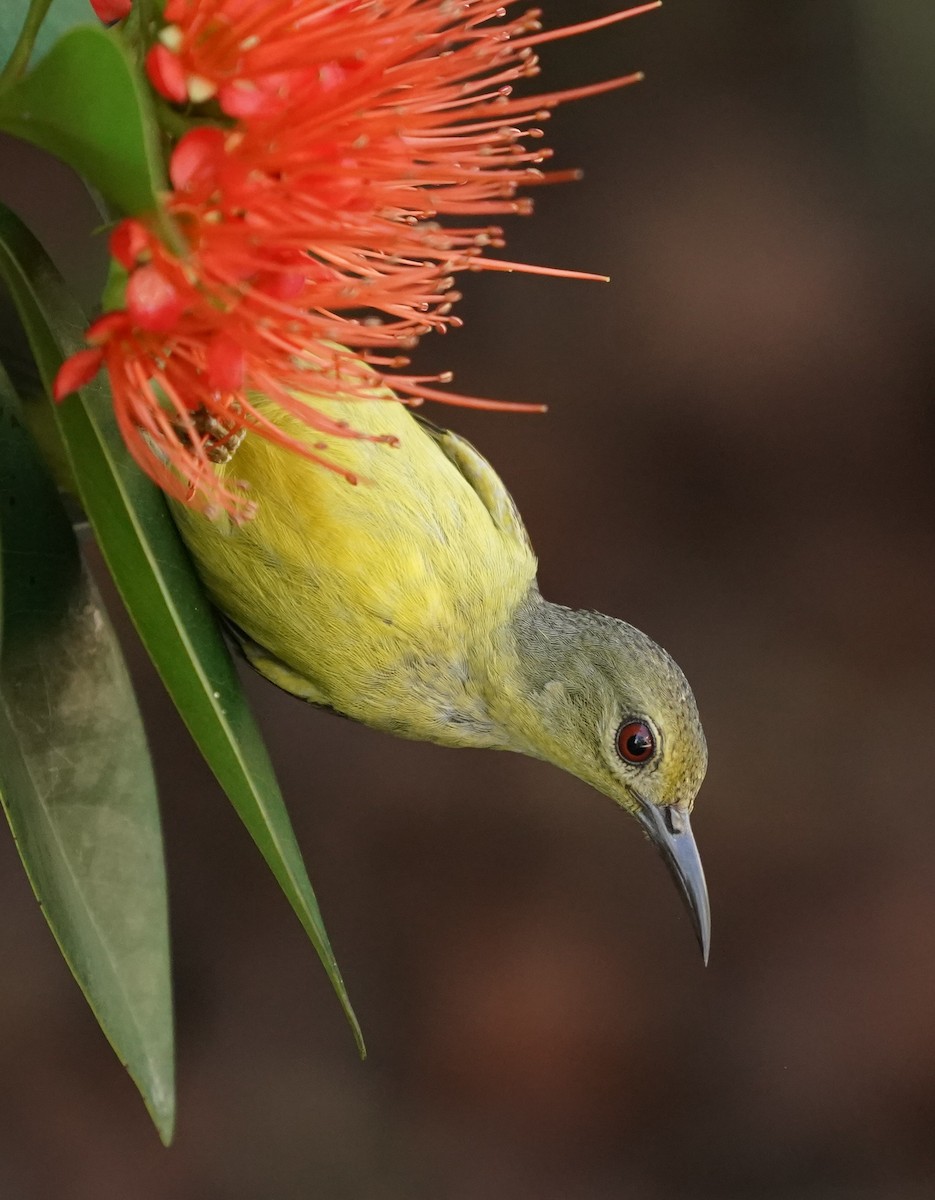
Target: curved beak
[(669, 829)]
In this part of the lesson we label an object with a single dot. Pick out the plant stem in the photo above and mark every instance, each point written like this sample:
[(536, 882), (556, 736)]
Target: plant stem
[(19, 58), (146, 14)]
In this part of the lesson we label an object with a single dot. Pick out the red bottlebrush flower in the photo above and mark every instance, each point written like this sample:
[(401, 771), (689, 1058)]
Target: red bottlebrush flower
[(315, 218), (364, 124)]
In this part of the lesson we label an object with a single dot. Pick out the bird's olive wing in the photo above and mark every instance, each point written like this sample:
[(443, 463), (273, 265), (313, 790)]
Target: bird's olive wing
[(273, 668), (484, 480)]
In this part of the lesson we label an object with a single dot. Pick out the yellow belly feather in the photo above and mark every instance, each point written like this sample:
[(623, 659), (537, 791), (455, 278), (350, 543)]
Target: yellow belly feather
[(392, 595)]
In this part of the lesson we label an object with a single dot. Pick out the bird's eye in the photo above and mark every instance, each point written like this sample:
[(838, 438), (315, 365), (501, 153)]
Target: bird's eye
[(635, 742)]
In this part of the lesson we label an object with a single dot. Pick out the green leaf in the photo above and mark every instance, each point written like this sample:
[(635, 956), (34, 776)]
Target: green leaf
[(86, 103), (159, 586), (62, 16), (76, 782)]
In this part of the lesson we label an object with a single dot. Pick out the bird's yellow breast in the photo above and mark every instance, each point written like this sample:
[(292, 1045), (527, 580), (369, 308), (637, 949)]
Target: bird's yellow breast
[(385, 598)]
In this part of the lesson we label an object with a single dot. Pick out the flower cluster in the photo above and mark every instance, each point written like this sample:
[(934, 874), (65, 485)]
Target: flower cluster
[(312, 248)]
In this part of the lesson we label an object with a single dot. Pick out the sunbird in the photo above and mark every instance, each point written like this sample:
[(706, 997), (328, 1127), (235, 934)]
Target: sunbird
[(409, 602)]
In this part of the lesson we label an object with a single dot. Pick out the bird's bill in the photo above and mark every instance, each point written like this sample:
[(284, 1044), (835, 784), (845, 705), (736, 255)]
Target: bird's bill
[(669, 829)]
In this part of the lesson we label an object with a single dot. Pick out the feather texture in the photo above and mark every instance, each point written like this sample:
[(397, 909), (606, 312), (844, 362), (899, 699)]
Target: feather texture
[(409, 602), (384, 599)]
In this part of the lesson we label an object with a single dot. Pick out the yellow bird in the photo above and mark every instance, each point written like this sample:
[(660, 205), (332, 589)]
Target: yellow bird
[(409, 602)]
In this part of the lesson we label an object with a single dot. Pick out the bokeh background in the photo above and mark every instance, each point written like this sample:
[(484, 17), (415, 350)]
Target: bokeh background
[(738, 459)]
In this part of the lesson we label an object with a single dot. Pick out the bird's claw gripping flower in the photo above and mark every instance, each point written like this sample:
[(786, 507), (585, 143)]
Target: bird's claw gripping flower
[(314, 219)]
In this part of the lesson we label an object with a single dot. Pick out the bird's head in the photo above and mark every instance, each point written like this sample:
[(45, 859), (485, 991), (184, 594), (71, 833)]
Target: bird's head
[(614, 709)]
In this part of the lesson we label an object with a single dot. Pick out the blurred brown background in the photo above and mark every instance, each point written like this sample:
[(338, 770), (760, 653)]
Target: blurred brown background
[(738, 459)]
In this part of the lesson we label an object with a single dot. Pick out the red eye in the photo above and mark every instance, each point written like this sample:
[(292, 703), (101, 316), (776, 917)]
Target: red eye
[(635, 742)]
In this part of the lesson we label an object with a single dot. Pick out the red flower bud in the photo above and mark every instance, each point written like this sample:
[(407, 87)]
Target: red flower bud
[(77, 371), (111, 10), (152, 302), (128, 243), (166, 74), (196, 159)]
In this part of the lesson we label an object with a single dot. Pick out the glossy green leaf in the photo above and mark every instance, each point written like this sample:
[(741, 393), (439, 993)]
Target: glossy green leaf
[(86, 103), (159, 586), (62, 16), (76, 782), (1, 620)]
